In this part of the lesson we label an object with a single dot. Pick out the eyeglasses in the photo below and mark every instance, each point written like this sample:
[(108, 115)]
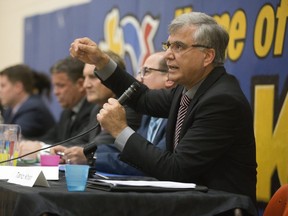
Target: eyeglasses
[(146, 70), (178, 47)]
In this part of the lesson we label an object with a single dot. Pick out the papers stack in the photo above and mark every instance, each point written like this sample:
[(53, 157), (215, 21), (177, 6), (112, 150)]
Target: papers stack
[(144, 186)]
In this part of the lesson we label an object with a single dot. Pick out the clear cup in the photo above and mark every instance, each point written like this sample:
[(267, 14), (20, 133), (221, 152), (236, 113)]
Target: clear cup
[(10, 137), (76, 177)]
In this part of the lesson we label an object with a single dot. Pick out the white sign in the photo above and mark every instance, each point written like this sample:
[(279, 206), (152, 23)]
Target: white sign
[(50, 172), (29, 177)]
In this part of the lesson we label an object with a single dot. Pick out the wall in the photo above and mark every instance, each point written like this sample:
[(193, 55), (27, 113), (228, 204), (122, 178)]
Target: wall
[(12, 14)]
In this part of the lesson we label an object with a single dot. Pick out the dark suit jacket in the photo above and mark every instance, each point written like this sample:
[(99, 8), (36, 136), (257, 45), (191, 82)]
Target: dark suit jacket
[(33, 117), (217, 145), (108, 156), (62, 131)]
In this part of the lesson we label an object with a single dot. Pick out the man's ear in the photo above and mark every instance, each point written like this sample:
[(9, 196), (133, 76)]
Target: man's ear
[(80, 84), (18, 86), (209, 56)]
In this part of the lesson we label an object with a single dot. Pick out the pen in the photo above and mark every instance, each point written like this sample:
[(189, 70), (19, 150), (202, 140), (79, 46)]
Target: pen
[(101, 176)]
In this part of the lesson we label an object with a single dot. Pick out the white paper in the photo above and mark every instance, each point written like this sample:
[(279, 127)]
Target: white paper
[(28, 177), (164, 184)]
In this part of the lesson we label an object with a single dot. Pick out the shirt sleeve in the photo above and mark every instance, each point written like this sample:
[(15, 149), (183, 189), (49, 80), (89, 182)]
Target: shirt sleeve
[(122, 138), (107, 71)]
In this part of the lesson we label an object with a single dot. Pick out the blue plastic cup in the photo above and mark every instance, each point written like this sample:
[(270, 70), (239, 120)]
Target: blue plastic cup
[(76, 177)]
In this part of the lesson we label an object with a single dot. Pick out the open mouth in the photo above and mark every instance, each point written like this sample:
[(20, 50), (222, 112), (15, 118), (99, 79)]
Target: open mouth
[(171, 67)]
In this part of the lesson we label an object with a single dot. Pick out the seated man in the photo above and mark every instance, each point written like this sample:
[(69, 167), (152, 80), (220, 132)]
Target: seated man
[(97, 94), (154, 75), (67, 80), (21, 105)]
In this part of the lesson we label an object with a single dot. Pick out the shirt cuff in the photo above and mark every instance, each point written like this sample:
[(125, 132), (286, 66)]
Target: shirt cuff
[(107, 71), (122, 138)]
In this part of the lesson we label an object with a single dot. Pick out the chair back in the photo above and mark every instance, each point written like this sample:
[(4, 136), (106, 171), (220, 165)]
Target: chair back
[(278, 204)]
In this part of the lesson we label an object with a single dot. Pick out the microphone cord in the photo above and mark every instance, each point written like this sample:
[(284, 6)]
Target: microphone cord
[(59, 143)]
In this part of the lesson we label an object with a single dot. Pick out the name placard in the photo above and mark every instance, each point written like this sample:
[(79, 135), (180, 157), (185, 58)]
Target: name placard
[(29, 176)]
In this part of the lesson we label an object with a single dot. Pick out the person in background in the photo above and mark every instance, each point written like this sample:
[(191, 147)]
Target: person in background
[(97, 94), (42, 85), (154, 75), (21, 105), (1, 112), (210, 136), (67, 81)]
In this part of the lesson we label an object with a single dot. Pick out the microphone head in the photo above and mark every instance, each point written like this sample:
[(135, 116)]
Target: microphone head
[(133, 88)]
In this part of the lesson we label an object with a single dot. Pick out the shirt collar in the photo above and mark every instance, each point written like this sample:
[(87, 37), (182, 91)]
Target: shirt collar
[(191, 92), (78, 106)]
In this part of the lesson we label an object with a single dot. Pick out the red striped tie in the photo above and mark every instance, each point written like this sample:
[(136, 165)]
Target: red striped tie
[(184, 103)]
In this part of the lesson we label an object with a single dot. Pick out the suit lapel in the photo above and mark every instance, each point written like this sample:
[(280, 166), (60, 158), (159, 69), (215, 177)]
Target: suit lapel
[(210, 80)]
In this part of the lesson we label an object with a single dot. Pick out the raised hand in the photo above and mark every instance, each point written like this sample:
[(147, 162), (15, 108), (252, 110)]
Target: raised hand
[(88, 51)]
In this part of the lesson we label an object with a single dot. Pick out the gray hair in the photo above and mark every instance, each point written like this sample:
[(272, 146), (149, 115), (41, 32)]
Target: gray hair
[(208, 32)]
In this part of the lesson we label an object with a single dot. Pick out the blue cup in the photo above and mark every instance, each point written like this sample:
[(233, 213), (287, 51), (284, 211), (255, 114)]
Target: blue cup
[(76, 177)]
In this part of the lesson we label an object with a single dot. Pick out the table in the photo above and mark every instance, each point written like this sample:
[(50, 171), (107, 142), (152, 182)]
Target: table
[(56, 200)]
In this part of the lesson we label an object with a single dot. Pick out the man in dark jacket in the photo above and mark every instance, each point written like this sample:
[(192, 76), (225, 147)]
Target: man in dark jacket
[(209, 137)]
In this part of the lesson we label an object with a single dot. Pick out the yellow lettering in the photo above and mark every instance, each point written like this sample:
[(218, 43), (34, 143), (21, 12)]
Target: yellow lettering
[(114, 39), (282, 14), (263, 126), (238, 28), (264, 31), (223, 20), (272, 149), (180, 11), (280, 140)]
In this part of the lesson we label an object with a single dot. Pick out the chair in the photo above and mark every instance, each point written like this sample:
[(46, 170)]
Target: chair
[(277, 206)]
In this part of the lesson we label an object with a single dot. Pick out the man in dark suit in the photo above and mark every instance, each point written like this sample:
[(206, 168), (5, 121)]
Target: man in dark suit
[(97, 94), (67, 80), (22, 106), (211, 143)]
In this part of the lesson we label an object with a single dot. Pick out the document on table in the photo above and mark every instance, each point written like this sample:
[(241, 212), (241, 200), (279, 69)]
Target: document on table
[(139, 185)]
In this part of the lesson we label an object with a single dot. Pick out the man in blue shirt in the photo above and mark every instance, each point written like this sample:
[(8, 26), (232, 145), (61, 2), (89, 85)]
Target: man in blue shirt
[(154, 75)]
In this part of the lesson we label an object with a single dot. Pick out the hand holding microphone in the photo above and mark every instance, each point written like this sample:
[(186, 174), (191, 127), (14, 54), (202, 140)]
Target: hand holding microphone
[(103, 116), (112, 117)]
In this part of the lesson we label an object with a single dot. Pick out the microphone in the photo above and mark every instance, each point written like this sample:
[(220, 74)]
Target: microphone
[(129, 92), (89, 147), (92, 146)]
